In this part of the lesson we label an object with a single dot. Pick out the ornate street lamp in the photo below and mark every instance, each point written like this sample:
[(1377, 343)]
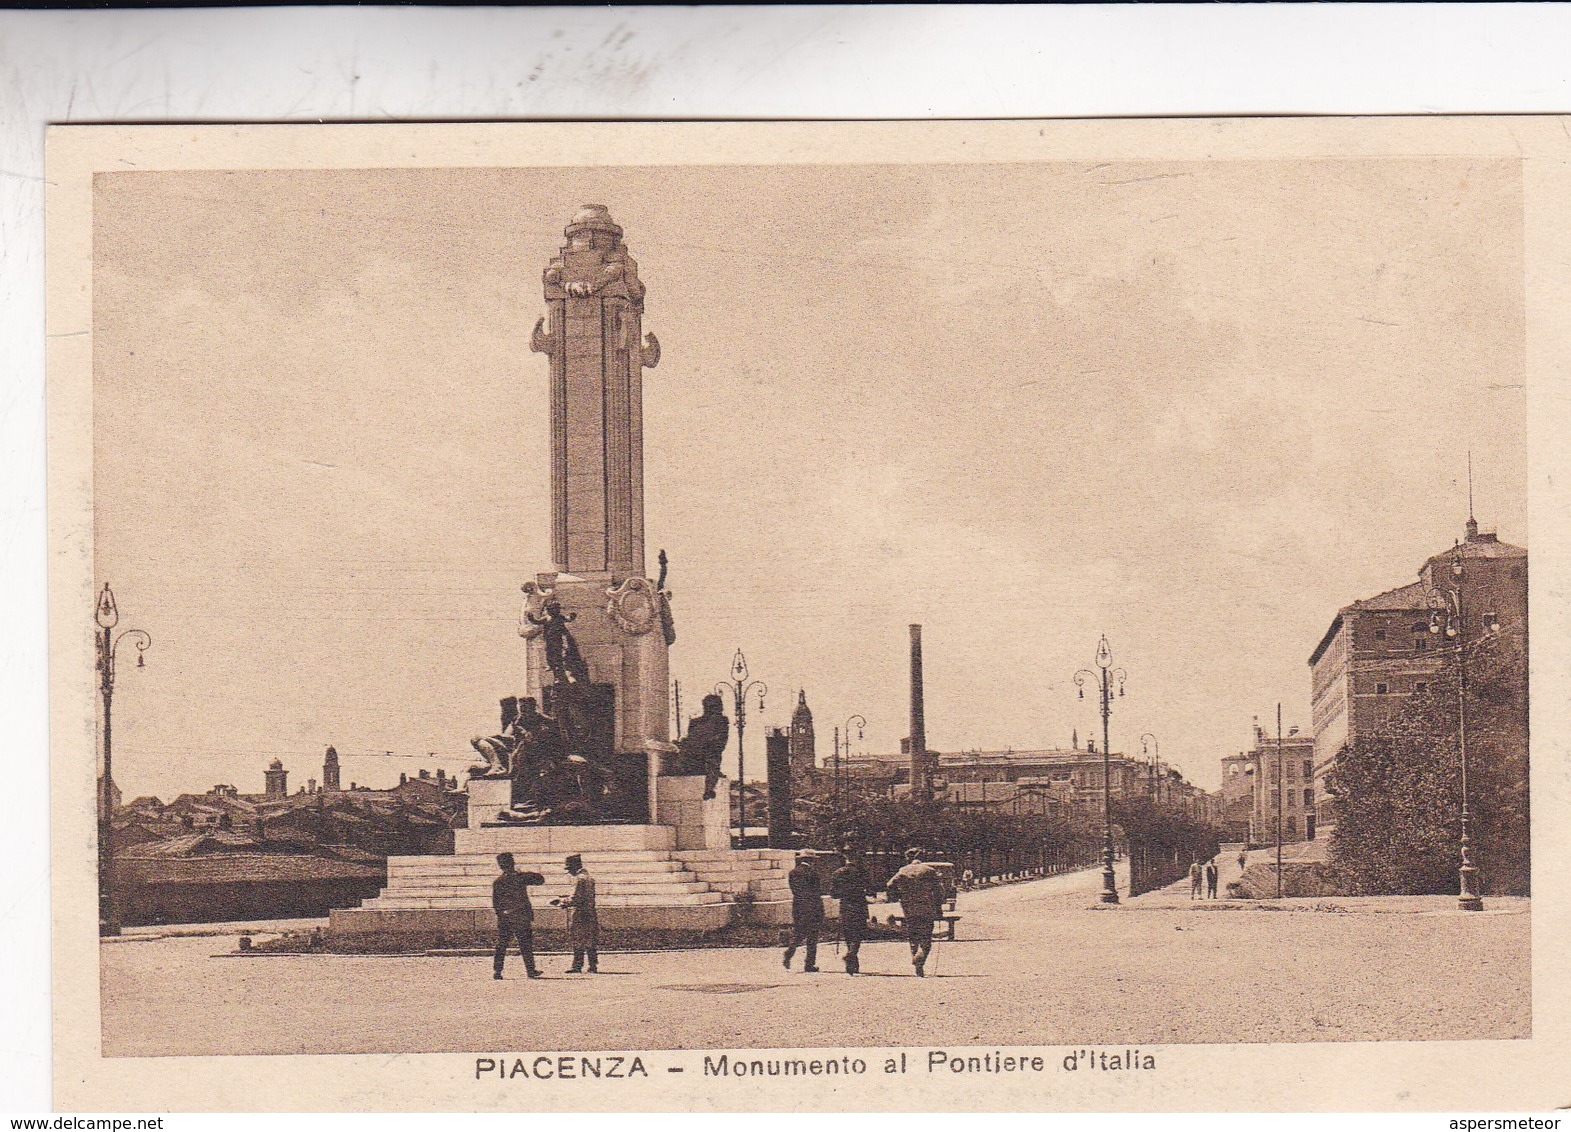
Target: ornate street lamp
[(107, 616), (1453, 625), (1105, 676), (839, 765), (742, 687), (1148, 741)]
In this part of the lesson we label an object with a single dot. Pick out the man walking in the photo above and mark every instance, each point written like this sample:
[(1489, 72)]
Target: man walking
[(807, 910), (1196, 875), (850, 887), (515, 916), (921, 894), (583, 921), (1211, 879)]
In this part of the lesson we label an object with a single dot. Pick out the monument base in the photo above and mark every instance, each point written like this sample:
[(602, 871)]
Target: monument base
[(680, 876)]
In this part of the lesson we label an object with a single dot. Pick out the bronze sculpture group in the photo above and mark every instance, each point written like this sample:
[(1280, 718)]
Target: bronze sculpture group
[(559, 763)]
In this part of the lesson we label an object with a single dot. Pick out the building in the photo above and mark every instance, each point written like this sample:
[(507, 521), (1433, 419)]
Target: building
[(1279, 776), (277, 781), (1237, 798), (1036, 780), (1380, 651), (804, 751)]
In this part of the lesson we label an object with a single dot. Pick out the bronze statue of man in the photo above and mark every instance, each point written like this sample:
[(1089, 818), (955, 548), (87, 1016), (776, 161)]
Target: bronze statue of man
[(706, 740), (561, 650), (537, 748)]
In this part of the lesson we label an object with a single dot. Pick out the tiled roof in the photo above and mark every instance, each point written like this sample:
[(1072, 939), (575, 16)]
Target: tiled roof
[(1413, 596)]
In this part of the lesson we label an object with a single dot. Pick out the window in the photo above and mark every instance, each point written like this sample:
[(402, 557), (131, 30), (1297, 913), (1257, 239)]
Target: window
[(1309, 798), (1309, 768), (1292, 799), (1420, 644), (1381, 689), (1380, 634), (1421, 686), (1292, 827)]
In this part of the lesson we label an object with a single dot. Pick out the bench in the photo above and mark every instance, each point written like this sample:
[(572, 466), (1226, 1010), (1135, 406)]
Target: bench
[(949, 919)]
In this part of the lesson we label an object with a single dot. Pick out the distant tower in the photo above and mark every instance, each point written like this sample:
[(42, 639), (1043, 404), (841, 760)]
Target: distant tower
[(277, 780), (330, 771), (921, 768), (804, 753)]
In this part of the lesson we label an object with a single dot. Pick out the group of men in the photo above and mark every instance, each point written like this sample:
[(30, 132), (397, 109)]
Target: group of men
[(917, 886), (515, 915), (1206, 874)]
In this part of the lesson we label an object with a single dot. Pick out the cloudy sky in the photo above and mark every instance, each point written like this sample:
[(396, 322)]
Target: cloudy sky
[(1194, 406)]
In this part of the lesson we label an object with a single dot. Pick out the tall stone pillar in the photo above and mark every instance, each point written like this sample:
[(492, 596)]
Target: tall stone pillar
[(593, 333), (620, 620)]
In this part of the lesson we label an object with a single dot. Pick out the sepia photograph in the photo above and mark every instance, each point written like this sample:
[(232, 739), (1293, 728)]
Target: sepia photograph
[(792, 603)]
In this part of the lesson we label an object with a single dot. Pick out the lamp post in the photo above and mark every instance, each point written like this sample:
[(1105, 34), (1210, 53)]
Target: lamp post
[(1454, 627), (107, 616), (741, 687), (1149, 741), (1105, 676), (839, 765)]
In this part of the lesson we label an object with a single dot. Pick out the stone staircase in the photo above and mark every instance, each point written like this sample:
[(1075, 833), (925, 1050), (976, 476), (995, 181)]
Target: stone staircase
[(664, 889)]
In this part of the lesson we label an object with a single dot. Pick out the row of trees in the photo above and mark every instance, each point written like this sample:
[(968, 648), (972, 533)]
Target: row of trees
[(1398, 797), (1163, 841), (987, 842)]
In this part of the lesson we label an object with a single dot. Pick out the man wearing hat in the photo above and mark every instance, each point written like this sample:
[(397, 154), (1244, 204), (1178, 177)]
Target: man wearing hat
[(583, 922), (807, 909), (515, 916), (850, 887), (921, 894)]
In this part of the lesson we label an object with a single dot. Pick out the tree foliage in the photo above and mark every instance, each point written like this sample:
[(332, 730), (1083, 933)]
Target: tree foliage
[(1162, 841), (1397, 795), (873, 821)]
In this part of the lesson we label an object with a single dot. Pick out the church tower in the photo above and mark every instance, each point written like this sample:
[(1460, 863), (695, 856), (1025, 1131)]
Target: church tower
[(277, 780), (330, 770), (804, 753)]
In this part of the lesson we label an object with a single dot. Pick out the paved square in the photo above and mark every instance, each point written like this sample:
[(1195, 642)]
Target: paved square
[(1036, 963)]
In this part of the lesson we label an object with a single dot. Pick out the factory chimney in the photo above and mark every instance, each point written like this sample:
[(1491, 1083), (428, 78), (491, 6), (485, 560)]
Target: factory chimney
[(921, 772)]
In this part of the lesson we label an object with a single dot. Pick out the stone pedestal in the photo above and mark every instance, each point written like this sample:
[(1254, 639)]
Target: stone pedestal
[(622, 641), (488, 797), (699, 824)]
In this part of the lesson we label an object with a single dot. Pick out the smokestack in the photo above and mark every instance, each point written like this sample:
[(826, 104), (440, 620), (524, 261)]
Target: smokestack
[(921, 778)]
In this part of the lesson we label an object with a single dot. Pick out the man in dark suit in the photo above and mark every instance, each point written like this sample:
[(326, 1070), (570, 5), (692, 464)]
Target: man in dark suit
[(850, 887), (515, 916), (807, 910)]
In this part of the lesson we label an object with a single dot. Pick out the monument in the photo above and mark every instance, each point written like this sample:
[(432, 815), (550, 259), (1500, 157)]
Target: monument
[(582, 762)]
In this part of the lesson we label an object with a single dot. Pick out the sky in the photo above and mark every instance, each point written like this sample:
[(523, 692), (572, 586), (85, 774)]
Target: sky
[(1195, 406)]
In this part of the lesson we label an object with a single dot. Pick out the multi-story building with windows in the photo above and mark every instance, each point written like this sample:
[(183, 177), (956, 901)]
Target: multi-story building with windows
[(1281, 778), (1380, 651)]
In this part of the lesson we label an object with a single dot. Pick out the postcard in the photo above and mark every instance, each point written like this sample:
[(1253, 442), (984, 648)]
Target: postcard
[(1014, 615)]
